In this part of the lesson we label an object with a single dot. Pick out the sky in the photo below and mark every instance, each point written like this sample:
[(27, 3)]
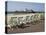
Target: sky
[(20, 6)]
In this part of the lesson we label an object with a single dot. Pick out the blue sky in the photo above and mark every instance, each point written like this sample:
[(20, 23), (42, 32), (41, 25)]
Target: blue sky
[(13, 6)]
